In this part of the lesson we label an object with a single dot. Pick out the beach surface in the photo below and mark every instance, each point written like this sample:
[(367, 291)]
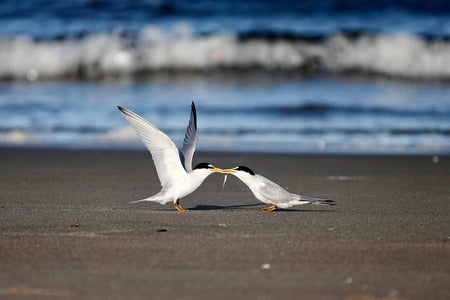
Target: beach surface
[(69, 232)]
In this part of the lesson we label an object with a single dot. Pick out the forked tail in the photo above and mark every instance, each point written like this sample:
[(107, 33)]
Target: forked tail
[(318, 201), (142, 200), (155, 198)]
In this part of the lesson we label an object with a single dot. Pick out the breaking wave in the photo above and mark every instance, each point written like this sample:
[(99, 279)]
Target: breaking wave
[(153, 49)]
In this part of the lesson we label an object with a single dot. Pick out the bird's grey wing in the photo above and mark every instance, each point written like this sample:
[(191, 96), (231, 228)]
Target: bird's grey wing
[(190, 140), (163, 150), (273, 192)]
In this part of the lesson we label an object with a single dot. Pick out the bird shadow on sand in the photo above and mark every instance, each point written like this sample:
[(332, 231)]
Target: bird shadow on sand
[(221, 207), (290, 210), (202, 207)]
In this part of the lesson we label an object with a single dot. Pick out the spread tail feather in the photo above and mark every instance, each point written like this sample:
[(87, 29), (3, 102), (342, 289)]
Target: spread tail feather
[(142, 200), (155, 198), (318, 201)]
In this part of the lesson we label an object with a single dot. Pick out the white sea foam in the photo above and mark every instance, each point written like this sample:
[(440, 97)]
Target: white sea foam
[(395, 55), (154, 49), (122, 135), (15, 137), (96, 55)]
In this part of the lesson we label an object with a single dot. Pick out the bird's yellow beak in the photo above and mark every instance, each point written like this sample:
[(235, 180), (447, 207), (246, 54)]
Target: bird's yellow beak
[(217, 170), (228, 171)]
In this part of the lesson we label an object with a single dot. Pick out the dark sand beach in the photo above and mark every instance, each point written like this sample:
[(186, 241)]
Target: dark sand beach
[(68, 231)]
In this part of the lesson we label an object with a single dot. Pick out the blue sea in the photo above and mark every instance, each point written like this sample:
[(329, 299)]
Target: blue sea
[(322, 76)]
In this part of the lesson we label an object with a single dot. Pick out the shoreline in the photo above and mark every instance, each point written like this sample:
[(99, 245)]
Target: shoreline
[(138, 148), (68, 230)]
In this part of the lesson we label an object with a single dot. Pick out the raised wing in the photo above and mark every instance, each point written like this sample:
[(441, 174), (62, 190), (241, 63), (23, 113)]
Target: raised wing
[(274, 192), (163, 150), (190, 140)]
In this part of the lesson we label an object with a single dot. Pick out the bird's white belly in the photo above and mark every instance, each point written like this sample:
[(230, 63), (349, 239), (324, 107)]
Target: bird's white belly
[(260, 196), (183, 187)]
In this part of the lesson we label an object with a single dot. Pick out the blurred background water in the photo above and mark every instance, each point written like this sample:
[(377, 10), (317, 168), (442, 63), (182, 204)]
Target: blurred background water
[(321, 76)]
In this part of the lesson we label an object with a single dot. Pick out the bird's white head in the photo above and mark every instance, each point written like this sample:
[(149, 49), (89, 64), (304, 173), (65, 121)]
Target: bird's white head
[(207, 168), (203, 170)]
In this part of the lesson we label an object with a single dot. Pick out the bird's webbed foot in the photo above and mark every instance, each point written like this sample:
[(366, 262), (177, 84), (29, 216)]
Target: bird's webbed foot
[(179, 207), (269, 208)]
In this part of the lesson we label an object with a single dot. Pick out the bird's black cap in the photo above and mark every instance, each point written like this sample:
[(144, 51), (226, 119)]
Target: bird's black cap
[(204, 165), (245, 169)]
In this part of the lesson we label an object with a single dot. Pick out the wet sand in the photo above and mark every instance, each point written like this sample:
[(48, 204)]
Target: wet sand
[(68, 231)]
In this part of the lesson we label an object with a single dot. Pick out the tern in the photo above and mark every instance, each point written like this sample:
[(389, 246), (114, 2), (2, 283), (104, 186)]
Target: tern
[(177, 182), (271, 193)]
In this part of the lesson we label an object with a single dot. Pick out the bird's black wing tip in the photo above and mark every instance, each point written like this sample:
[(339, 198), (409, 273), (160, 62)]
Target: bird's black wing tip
[(194, 112)]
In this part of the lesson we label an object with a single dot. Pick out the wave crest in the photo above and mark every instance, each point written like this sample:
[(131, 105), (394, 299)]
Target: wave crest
[(180, 50)]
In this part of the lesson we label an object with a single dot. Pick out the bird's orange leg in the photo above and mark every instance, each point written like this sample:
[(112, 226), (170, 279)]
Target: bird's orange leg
[(269, 208), (179, 207)]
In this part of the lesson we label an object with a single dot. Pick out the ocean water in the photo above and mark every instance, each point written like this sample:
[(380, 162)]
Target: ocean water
[(271, 76)]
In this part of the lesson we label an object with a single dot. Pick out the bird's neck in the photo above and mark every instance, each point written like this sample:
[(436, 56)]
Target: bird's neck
[(199, 175)]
